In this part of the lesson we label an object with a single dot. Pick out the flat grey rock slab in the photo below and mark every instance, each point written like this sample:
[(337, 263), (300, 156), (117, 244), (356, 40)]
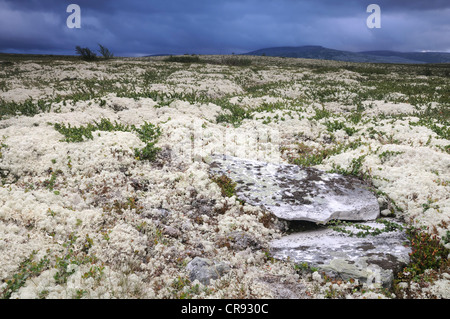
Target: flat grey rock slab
[(370, 259), (292, 192)]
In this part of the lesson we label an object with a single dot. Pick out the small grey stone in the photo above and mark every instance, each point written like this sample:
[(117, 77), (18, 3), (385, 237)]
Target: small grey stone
[(205, 210), (203, 270), (161, 213), (239, 240), (171, 231)]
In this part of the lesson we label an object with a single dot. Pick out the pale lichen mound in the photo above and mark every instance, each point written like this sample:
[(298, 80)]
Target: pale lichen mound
[(93, 220)]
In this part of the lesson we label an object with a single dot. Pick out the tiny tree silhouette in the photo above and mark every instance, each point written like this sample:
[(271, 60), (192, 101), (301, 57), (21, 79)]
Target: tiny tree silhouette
[(85, 53), (105, 52), (89, 55)]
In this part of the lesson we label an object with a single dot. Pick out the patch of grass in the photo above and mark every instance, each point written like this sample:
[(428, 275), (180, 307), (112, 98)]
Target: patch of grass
[(150, 76), (147, 133), (26, 108), (308, 156), (2, 145), (3, 86), (118, 207), (238, 113), (304, 268), (321, 113), (73, 256), (367, 69), (354, 169), (355, 117), (82, 133), (226, 184), (386, 155), (50, 184), (27, 269), (441, 128), (337, 125), (182, 288), (364, 230)]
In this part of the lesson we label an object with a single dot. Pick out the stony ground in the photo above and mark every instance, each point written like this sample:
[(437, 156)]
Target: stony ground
[(96, 215)]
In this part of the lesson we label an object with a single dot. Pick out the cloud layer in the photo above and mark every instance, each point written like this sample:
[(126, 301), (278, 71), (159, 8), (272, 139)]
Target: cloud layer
[(212, 27)]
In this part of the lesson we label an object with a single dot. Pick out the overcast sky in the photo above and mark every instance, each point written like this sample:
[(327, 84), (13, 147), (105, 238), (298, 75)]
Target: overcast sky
[(137, 27)]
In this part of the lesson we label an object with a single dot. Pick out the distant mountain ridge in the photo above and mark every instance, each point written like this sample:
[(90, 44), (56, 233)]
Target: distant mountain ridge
[(382, 56)]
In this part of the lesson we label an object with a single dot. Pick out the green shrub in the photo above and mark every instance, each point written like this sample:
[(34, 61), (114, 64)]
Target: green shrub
[(238, 113), (27, 269), (336, 125), (26, 108), (355, 168), (226, 184), (147, 133), (427, 253)]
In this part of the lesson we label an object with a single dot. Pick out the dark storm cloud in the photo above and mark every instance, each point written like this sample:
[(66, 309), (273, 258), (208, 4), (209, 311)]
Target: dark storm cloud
[(408, 5), (205, 26)]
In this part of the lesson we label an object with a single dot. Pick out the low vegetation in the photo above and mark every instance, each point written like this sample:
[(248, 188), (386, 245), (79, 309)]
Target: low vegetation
[(147, 133), (226, 184), (387, 124)]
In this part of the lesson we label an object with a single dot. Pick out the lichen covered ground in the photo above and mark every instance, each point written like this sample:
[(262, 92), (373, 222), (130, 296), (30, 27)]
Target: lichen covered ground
[(93, 219)]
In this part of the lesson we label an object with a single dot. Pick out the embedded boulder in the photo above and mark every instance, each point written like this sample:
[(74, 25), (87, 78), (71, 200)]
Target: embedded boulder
[(238, 240), (292, 192), (204, 270), (373, 259)]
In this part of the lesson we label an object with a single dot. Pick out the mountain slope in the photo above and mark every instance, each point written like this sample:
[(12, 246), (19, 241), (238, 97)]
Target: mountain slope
[(427, 57), (322, 53)]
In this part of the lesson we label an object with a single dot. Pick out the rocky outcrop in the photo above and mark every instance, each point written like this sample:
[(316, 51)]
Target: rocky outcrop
[(307, 195), (292, 192), (373, 259)]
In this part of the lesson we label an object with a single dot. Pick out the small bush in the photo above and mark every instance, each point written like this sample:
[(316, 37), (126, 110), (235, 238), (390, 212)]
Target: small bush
[(336, 125), (105, 52), (226, 184), (27, 269), (86, 53), (147, 133), (238, 113), (80, 134), (26, 108), (427, 253), (354, 169)]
